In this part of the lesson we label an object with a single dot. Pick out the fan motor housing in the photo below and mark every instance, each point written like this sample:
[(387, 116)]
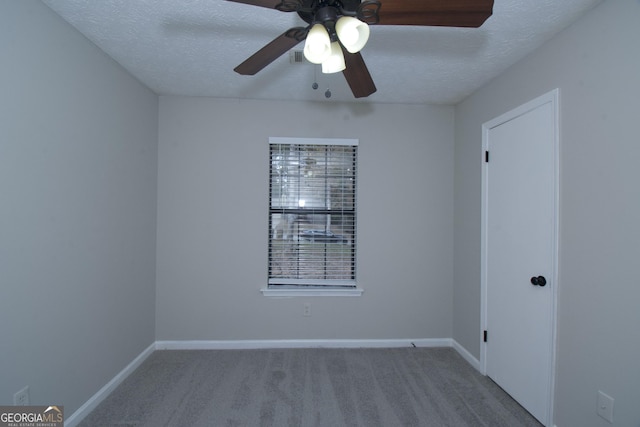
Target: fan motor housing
[(313, 11)]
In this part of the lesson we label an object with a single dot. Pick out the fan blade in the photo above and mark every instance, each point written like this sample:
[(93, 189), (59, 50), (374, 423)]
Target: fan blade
[(357, 75), (281, 5), (271, 4), (446, 13), (270, 52)]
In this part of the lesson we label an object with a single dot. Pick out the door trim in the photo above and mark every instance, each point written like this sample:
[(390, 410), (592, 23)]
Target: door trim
[(553, 98)]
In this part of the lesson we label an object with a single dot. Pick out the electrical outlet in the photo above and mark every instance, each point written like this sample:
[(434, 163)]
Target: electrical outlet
[(306, 311), (605, 406), (21, 398)]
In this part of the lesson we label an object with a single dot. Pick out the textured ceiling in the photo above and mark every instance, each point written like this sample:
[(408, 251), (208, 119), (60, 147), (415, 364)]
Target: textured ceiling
[(190, 47)]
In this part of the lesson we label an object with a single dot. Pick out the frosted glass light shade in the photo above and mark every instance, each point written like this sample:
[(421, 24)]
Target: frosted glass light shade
[(335, 62), (317, 48), (352, 32)]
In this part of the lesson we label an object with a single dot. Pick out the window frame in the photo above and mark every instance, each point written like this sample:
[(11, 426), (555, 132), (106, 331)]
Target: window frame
[(298, 287)]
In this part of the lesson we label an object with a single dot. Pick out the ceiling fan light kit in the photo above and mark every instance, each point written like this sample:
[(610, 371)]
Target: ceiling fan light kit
[(335, 62), (317, 48), (324, 39), (352, 32), (338, 30)]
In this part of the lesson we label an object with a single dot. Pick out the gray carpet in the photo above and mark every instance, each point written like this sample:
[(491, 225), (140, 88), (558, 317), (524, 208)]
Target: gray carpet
[(308, 387)]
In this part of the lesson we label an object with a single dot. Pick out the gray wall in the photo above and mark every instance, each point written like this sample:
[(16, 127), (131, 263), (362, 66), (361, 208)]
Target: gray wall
[(212, 221), (78, 161), (596, 65)]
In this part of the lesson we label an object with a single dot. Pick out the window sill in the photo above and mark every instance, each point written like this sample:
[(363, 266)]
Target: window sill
[(312, 292)]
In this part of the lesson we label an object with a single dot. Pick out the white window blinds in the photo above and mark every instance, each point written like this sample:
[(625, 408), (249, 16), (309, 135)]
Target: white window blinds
[(312, 212)]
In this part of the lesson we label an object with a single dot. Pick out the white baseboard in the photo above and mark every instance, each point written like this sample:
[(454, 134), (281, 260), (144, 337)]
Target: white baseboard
[(95, 400), (466, 355), (263, 344)]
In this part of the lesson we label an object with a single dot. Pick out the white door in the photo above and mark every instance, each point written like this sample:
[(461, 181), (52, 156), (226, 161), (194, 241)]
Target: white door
[(520, 252)]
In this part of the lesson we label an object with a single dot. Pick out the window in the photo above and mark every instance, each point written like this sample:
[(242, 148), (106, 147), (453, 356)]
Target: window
[(312, 214)]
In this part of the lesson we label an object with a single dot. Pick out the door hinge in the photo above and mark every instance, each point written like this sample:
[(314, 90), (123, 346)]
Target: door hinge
[(486, 156), (485, 336)]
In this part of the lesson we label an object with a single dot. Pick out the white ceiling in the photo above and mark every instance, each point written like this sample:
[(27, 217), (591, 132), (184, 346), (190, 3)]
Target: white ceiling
[(190, 47)]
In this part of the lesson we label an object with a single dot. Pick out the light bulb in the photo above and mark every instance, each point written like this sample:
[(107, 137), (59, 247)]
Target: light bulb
[(317, 48), (352, 32), (335, 61)]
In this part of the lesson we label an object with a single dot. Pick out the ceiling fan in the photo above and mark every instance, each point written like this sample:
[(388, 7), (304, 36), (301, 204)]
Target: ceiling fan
[(338, 29)]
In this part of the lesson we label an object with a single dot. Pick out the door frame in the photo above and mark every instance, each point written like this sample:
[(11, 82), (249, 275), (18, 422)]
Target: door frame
[(553, 98)]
